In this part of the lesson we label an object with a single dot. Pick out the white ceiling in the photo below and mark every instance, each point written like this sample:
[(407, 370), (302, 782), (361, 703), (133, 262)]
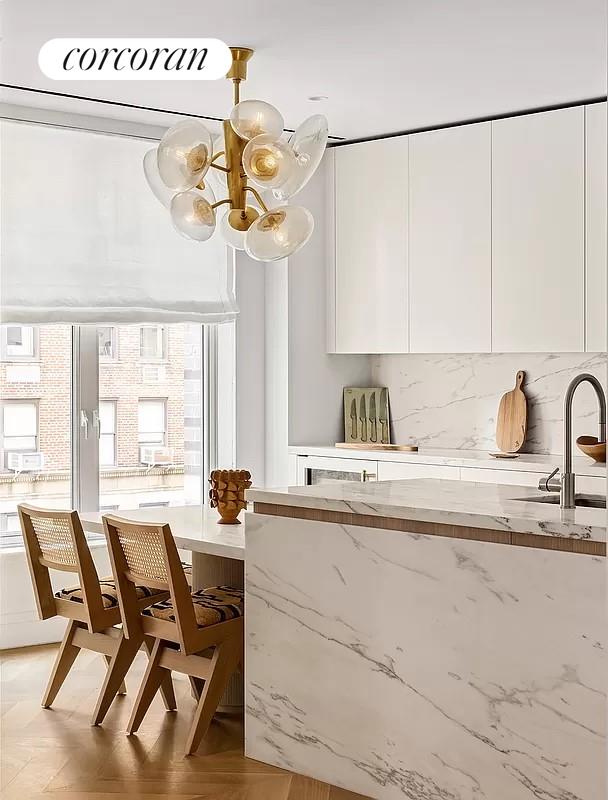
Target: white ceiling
[(385, 65)]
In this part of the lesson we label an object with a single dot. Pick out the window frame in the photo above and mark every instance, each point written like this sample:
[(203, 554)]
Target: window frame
[(161, 338), (114, 434), (111, 359), (10, 358), (164, 402), (85, 423)]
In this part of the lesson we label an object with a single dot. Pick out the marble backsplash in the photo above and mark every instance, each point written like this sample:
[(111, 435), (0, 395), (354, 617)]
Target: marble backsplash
[(451, 401)]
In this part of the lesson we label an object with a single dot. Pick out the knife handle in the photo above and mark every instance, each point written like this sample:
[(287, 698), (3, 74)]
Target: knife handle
[(364, 430), (384, 432), (374, 434)]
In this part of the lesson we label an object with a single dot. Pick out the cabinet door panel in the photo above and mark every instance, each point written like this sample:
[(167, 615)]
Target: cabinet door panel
[(397, 471), (450, 240), (595, 227), (371, 247), (538, 232)]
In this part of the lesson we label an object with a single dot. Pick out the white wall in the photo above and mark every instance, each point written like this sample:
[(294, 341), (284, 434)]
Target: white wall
[(250, 367), (288, 389), (316, 378), (19, 623)]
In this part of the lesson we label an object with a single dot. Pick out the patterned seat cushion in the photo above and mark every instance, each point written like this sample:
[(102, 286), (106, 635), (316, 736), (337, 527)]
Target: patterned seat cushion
[(211, 606), (109, 593)]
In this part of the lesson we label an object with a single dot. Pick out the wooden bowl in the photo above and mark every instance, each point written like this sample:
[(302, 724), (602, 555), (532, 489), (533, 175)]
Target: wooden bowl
[(590, 446)]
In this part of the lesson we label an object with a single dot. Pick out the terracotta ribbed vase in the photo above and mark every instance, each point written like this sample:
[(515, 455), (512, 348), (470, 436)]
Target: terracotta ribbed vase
[(227, 493)]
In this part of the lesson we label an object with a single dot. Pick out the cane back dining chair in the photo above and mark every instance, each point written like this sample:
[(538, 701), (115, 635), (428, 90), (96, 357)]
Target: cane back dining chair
[(55, 540), (199, 634)]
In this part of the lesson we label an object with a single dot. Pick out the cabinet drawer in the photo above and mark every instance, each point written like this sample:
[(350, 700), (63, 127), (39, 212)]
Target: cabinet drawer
[(505, 476), (590, 485), (396, 471)]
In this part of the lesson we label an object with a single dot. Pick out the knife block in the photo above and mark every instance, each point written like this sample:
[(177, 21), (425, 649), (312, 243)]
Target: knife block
[(366, 416)]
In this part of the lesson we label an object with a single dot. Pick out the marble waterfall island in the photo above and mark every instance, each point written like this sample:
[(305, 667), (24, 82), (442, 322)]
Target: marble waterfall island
[(429, 640)]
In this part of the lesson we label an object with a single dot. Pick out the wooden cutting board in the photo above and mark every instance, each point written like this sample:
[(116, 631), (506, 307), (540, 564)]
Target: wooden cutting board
[(512, 420)]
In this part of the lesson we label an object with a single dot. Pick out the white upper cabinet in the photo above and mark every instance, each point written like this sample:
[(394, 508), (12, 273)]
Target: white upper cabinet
[(371, 199), (450, 243), (595, 227), (538, 232)]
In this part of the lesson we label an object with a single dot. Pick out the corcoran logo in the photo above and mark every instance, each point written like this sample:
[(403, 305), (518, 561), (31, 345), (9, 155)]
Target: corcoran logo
[(134, 59)]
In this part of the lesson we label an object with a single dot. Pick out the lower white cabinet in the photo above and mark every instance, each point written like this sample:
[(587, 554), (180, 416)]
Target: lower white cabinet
[(506, 476), (398, 471)]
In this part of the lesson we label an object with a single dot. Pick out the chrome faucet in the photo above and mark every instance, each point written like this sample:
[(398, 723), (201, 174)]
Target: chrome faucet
[(565, 484)]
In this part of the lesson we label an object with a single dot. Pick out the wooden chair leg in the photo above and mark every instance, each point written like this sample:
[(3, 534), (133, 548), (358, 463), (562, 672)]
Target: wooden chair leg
[(123, 685), (151, 682), (196, 687), (223, 663), (166, 687), (118, 666), (63, 663)]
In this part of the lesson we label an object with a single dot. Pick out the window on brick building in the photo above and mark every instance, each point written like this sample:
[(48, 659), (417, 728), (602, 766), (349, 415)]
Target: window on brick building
[(19, 426), (152, 422), (153, 343), (19, 342), (107, 433), (106, 336)]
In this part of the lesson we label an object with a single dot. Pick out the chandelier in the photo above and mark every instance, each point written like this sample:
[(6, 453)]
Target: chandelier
[(257, 169)]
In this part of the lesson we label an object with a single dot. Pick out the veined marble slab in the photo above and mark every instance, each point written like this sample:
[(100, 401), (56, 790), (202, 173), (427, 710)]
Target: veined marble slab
[(406, 666), (480, 505), (452, 400)]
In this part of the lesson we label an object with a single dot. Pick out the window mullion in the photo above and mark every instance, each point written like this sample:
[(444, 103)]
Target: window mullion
[(85, 418)]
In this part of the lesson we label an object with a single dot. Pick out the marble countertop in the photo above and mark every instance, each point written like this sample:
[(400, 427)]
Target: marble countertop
[(525, 462), (194, 528), (463, 503)]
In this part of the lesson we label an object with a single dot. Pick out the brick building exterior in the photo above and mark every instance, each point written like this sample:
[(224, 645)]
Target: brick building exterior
[(162, 364)]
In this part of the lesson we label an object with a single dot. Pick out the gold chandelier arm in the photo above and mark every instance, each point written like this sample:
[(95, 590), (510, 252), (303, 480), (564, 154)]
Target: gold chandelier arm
[(256, 194), (219, 166), (221, 203), (217, 155)]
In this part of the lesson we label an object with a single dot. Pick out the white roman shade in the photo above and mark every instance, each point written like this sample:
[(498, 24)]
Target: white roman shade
[(83, 239)]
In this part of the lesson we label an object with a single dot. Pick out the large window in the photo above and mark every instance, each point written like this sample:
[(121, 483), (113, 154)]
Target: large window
[(153, 343), (19, 342), (107, 433), (35, 423), (19, 426)]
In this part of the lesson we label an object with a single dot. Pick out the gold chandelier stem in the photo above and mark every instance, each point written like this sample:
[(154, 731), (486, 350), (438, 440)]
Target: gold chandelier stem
[(236, 82), (221, 203), (256, 194)]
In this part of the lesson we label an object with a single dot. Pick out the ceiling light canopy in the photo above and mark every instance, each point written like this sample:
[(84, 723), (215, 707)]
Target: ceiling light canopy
[(253, 153)]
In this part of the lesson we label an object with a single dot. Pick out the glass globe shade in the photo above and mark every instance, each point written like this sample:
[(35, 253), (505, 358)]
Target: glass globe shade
[(162, 193), (268, 163), (251, 118), (193, 215), (234, 238), (308, 144), (184, 154), (279, 233)]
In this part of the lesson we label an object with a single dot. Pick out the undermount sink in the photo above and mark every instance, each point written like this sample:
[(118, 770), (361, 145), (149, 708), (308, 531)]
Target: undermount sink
[(581, 500)]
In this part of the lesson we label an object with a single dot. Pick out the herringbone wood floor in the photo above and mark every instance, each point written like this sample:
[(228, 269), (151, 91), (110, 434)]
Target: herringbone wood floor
[(56, 754)]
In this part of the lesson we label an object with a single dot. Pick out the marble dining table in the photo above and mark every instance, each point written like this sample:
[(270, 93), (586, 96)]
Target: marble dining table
[(218, 550)]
